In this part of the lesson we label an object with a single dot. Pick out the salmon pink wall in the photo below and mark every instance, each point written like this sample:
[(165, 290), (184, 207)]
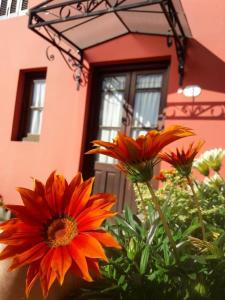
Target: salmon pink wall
[(205, 66), (64, 122), (60, 140)]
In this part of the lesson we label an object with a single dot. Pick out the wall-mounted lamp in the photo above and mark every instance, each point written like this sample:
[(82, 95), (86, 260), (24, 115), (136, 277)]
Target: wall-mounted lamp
[(190, 91)]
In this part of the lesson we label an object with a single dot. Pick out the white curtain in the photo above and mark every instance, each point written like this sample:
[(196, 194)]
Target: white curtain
[(37, 106)]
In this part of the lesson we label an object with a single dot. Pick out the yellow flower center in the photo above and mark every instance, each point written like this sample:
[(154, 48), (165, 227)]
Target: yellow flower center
[(61, 232)]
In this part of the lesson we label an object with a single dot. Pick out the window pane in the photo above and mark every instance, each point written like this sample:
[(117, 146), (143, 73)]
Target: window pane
[(38, 93), (112, 100), (37, 104), (111, 110), (24, 4), (3, 7), (149, 81), (146, 109), (114, 83), (13, 6), (146, 103), (107, 135), (35, 122)]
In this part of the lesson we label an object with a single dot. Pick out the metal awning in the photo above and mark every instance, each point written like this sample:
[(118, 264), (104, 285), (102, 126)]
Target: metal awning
[(76, 25)]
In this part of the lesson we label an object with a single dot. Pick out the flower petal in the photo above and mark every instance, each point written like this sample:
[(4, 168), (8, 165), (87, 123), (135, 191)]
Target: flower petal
[(80, 198), (80, 260), (101, 200), (29, 256), (13, 250), (9, 251), (61, 262), (93, 220), (54, 190), (74, 184), (22, 213), (35, 204), (16, 236), (107, 152), (10, 223), (32, 276), (96, 206), (105, 238), (89, 246), (39, 188), (47, 275)]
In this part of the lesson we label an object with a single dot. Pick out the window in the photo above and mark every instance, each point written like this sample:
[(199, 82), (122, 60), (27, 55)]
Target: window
[(10, 8), (130, 102), (29, 105)]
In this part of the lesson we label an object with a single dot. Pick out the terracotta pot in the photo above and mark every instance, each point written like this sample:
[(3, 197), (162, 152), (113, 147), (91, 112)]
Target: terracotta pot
[(12, 285)]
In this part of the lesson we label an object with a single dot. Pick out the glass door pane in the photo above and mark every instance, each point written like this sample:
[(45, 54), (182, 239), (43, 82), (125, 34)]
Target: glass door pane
[(111, 111), (147, 99)]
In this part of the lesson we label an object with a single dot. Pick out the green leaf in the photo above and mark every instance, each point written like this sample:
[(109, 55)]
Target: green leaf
[(121, 280), (125, 225), (144, 259), (200, 289), (152, 231), (166, 252), (190, 229), (129, 216)]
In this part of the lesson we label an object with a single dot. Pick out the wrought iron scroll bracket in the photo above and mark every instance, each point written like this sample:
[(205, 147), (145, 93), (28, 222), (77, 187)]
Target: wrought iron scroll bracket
[(178, 36), (73, 58)]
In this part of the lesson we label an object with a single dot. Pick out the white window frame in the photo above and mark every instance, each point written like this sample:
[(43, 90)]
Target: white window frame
[(18, 12)]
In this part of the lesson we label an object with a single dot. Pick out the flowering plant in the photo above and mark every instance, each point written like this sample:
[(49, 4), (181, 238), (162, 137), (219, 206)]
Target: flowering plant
[(160, 252), (58, 230), (169, 260)]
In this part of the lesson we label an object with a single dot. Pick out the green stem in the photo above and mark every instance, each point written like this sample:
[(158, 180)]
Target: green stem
[(196, 202), (143, 208), (163, 220)]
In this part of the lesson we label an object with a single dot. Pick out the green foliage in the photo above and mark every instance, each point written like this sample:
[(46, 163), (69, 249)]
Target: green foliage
[(177, 195), (145, 268)]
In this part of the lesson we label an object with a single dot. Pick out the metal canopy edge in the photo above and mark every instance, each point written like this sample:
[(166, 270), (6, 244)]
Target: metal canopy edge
[(73, 26)]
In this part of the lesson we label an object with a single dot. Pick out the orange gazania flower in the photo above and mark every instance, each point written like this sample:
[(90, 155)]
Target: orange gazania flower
[(137, 157), (182, 160), (57, 230)]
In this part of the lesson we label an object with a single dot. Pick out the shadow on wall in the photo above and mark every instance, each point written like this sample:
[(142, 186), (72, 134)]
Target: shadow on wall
[(205, 69), (12, 285)]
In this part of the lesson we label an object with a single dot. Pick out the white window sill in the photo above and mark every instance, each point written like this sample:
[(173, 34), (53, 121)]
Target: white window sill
[(31, 138), (14, 15)]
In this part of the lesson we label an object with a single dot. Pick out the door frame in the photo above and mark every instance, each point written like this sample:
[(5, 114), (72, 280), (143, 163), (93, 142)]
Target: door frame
[(94, 102)]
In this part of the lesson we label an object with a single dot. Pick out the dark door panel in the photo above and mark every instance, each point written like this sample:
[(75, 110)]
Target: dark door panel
[(110, 180)]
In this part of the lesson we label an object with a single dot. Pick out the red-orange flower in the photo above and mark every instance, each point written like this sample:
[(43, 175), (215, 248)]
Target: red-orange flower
[(137, 157), (160, 177), (57, 230), (182, 160)]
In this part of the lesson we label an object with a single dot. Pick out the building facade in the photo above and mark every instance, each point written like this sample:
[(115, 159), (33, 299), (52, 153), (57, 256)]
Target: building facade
[(131, 84)]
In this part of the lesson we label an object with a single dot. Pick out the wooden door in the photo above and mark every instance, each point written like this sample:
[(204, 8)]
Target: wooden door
[(127, 101)]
